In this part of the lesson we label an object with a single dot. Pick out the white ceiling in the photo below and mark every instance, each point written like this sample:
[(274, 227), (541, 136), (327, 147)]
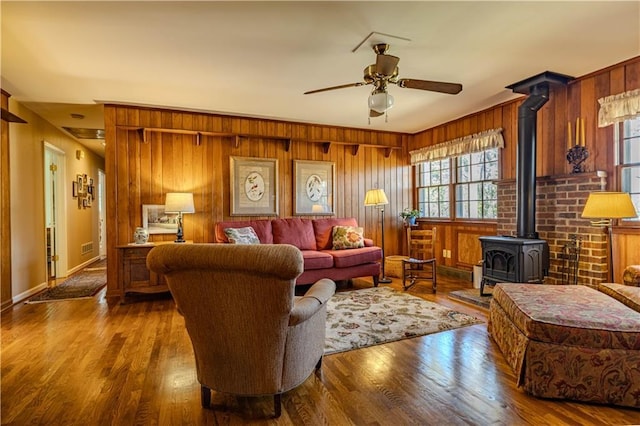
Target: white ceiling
[(257, 58)]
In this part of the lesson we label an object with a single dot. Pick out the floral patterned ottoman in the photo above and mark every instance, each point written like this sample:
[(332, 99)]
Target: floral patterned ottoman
[(569, 342)]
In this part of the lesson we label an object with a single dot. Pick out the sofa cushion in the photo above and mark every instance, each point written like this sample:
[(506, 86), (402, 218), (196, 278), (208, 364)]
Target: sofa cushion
[(244, 235), (262, 228), (628, 295), (295, 231), (316, 260), (347, 237), (353, 257), (573, 315), (323, 230)]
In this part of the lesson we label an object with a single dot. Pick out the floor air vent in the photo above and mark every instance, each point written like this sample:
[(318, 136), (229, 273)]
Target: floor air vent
[(86, 248)]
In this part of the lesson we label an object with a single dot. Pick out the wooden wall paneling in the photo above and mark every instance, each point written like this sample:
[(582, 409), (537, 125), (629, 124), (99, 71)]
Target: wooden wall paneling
[(133, 154), (542, 139), (617, 85), (508, 155), (285, 172), (625, 250), (358, 201), (372, 214), (601, 142), (113, 138), (632, 76), (146, 173), (468, 248), (345, 177), (156, 171), (285, 166), (559, 130), (589, 113), (396, 202), (123, 182), (482, 121)]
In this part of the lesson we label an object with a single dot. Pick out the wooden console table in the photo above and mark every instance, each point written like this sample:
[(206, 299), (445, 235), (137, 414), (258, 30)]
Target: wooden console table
[(133, 275)]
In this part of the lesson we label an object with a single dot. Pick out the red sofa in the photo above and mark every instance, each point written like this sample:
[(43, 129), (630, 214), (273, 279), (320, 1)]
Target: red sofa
[(314, 238)]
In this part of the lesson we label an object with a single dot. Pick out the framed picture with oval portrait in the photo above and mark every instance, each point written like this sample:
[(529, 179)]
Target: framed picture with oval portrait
[(314, 187), (254, 186)]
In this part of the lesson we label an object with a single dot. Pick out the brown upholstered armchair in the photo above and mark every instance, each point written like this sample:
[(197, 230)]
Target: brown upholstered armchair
[(251, 336)]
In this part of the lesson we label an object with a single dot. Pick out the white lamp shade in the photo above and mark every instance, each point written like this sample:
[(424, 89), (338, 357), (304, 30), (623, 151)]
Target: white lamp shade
[(609, 205), (179, 202), (380, 101), (375, 197)]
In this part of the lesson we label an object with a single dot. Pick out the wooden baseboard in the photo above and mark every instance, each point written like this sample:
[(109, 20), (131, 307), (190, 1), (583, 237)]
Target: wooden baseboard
[(455, 272)]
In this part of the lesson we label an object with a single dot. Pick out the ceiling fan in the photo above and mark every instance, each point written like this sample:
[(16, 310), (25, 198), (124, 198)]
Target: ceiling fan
[(385, 71)]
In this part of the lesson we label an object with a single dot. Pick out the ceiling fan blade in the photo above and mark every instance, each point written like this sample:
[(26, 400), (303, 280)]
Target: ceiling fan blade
[(434, 86), (373, 113), (342, 86), (386, 64)]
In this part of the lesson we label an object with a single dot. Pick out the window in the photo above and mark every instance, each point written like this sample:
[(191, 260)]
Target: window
[(629, 154), (475, 194), (434, 179)]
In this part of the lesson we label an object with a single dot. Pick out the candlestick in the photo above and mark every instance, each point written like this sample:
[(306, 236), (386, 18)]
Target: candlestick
[(582, 130), (578, 131), (569, 135)]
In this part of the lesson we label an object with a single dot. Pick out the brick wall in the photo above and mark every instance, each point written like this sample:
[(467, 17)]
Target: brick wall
[(559, 204)]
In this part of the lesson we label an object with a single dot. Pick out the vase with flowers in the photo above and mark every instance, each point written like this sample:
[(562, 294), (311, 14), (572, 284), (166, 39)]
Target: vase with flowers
[(410, 215)]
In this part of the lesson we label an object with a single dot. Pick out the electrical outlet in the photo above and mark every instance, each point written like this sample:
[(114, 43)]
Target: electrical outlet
[(444, 253)]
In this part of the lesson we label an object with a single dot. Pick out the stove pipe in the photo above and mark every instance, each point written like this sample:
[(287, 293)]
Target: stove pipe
[(526, 163), (537, 89)]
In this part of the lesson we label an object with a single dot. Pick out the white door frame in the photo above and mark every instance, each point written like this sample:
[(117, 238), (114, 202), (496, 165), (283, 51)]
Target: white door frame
[(58, 156), (102, 220)]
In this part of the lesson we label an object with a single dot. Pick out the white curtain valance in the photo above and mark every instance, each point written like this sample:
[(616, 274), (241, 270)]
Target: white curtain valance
[(456, 147), (617, 108)]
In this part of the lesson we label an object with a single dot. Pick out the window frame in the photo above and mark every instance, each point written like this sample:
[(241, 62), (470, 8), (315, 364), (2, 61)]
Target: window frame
[(452, 188), (620, 165)]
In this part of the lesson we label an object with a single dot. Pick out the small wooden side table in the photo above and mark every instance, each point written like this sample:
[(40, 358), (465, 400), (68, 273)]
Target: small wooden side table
[(133, 275)]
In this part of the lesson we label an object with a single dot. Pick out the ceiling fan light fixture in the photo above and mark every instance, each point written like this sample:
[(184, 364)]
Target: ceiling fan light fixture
[(380, 101)]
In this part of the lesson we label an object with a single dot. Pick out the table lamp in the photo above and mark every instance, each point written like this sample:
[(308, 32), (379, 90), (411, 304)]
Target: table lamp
[(607, 206), (179, 202)]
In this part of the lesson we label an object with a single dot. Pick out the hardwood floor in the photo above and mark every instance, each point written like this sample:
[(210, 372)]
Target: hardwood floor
[(96, 362)]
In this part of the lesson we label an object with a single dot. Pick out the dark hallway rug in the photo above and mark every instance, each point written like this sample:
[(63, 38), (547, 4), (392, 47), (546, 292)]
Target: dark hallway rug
[(372, 316), (472, 295), (82, 285)]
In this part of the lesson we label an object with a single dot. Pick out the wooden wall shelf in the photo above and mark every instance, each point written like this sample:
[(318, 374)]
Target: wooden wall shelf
[(237, 137)]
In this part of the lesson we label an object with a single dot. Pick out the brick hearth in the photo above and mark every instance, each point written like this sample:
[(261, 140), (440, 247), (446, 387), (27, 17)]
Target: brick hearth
[(559, 204)]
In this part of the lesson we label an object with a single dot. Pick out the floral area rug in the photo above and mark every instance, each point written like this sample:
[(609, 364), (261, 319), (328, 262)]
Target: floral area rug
[(367, 317), (83, 285)]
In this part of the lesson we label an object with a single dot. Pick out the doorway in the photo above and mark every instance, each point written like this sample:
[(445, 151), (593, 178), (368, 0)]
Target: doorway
[(55, 212)]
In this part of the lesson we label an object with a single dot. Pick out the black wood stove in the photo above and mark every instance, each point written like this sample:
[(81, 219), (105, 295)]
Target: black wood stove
[(523, 258)]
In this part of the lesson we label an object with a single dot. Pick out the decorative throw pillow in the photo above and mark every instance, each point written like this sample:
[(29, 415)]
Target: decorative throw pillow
[(347, 237), (242, 235)]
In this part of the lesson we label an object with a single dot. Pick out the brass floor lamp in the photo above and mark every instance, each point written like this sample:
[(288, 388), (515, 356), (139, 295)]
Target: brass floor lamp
[(377, 198)]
